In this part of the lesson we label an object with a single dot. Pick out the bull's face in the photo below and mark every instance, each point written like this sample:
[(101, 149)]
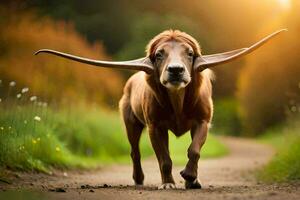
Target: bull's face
[(174, 62)]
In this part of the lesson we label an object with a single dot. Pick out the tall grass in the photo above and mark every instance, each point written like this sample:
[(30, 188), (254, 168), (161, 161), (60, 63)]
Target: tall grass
[(34, 136)]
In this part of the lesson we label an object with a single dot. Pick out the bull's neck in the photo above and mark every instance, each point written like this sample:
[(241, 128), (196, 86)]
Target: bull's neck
[(176, 98)]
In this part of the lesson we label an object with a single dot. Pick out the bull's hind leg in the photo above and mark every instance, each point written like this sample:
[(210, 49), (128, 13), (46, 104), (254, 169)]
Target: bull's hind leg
[(134, 130)]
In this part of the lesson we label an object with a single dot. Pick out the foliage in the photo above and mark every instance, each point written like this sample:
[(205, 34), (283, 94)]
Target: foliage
[(285, 166), (52, 77)]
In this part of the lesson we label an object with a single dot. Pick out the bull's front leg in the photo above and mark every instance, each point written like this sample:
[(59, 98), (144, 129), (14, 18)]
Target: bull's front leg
[(190, 173), (159, 139)]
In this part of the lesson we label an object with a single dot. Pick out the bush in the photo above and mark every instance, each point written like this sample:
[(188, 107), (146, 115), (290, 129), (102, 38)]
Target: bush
[(51, 77)]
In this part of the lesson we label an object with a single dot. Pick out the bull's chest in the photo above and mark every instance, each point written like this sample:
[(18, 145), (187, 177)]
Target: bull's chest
[(179, 124)]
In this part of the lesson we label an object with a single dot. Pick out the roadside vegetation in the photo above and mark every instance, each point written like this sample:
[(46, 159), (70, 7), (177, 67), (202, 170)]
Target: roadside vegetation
[(285, 165), (36, 136)]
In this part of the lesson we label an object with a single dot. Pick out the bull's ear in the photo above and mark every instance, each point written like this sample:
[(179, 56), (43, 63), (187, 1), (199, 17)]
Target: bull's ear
[(206, 61), (141, 64)]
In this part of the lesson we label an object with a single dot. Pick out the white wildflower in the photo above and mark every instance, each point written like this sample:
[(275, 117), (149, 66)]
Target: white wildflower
[(12, 84), (39, 103), (45, 104), (293, 108), (33, 98), (37, 118), (2, 128), (19, 96), (24, 90)]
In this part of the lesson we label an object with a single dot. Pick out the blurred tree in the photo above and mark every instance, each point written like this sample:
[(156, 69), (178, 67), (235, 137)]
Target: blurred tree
[(269, 85)]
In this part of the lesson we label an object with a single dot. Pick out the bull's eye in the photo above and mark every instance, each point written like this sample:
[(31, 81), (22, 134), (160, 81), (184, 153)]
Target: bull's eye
[(190, 54), (159, 56)]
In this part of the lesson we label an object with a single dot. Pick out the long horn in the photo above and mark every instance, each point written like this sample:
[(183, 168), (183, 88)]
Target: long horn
[(207, 61), (141, 64)]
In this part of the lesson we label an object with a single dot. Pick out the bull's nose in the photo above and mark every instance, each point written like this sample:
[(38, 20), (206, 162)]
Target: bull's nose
[(175, 69)]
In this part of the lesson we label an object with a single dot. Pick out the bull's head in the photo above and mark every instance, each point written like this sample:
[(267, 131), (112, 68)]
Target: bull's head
[(173, 56)]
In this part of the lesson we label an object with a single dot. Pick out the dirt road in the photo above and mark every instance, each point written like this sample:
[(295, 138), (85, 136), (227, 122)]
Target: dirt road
[(230, 177)]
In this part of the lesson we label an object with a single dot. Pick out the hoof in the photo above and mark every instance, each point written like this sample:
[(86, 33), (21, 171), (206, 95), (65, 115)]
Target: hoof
[(193, 185), (189, 177), (138, 183), (167, 186)]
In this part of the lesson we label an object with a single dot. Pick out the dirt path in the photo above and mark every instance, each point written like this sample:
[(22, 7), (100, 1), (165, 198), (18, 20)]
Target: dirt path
[(229, 177)]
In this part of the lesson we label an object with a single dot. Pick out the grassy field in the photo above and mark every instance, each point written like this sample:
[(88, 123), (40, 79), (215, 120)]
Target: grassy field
[(34, 136), (285, 166)]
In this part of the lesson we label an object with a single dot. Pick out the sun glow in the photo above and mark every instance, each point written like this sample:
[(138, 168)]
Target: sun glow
[(285, 4)]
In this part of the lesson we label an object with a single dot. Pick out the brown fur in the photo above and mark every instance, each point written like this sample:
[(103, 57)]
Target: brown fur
[(146, 102)]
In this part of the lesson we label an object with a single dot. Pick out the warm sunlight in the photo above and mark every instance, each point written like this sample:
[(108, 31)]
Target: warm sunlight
[(285, 4), (109, 101)]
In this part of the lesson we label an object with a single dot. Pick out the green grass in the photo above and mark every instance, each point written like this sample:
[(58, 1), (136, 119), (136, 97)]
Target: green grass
[(83, 137), (226, 120), (285, 166), (178, 148)]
